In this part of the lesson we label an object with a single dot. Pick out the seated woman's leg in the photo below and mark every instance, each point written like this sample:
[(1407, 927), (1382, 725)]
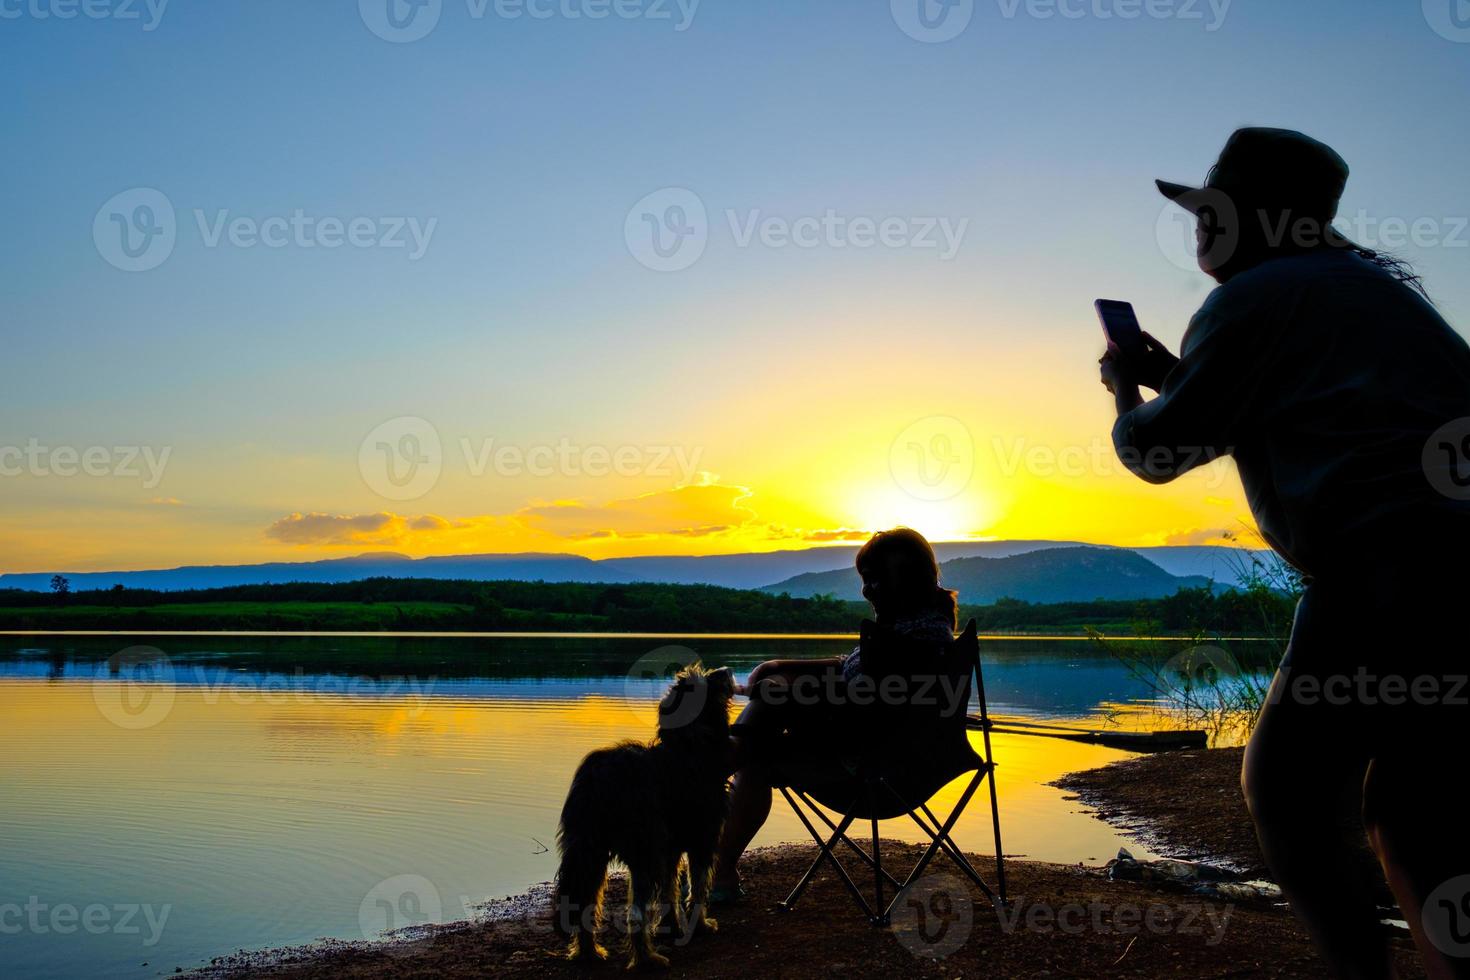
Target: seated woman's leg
[(750, 803), (774, 704)]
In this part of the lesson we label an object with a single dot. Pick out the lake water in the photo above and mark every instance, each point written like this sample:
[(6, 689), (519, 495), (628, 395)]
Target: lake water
[(168, 799)]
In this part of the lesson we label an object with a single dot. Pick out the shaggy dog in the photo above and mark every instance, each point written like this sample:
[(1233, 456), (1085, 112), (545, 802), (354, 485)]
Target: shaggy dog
[(648, 805)]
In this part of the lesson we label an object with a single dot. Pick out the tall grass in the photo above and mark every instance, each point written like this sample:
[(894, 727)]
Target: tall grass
[(1207, 681)]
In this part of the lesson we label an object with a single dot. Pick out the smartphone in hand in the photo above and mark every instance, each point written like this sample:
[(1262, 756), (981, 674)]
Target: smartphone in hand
[(1119, 324)]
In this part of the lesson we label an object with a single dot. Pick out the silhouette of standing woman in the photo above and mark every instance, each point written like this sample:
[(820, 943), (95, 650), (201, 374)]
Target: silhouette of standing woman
[(1344, 397)]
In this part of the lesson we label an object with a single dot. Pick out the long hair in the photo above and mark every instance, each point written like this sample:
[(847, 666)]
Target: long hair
[(1323, 234), (901, 576), (1392, 264)]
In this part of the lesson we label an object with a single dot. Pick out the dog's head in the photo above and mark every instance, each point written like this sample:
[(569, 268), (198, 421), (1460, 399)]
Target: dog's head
[(699, 699)]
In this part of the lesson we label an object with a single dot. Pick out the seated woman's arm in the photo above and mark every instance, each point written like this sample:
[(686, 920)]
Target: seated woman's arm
[(789, 670)]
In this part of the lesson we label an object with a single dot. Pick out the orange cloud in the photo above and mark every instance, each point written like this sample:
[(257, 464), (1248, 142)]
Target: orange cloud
[(841, 534), (705, 511), (690, 511), (381, 528), (1199, 535)]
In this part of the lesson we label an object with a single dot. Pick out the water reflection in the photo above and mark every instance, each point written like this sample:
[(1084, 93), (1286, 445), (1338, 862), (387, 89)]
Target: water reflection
[(287, 778)]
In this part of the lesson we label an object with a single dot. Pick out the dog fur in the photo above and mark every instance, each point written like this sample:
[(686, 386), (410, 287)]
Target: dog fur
[(649, 805)]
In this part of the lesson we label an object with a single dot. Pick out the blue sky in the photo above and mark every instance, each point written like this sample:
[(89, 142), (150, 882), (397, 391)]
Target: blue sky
[(525, 141)]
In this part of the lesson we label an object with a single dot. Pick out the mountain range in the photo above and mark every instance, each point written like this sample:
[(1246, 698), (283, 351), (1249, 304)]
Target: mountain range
[(780, 570), (1075, 574)]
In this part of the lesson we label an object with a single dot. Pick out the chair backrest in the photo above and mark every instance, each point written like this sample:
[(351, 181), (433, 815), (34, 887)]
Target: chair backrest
[(933, 748)]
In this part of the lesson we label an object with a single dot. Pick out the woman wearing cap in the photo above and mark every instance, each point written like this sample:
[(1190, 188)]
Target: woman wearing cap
[(1344, 398)]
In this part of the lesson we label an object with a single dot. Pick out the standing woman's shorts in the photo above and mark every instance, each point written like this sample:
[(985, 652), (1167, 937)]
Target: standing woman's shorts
[(1379, 662)]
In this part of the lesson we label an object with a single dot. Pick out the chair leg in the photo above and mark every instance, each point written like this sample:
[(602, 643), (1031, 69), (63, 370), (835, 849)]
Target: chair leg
[(790, 902), (1000, 860), (941, 839), (881, 918), (1000, 863), (856, 850), (963, 863), (997, 897), (825, 854), (944, 829)]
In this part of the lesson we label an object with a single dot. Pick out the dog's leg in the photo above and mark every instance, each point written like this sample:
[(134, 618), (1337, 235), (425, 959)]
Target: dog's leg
[(643, 919), (671, 904), (701, 873), (581, 884)]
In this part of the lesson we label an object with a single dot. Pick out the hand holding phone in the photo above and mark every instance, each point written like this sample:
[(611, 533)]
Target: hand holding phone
[(1136, 356)]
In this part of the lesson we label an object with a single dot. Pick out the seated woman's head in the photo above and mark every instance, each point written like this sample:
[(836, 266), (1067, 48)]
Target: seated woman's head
[(901, 577)]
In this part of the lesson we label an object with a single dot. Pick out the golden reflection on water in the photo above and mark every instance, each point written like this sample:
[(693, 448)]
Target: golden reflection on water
[(267, 817)]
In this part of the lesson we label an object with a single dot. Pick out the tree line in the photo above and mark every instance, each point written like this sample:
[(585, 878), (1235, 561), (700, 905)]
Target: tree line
[(445, 604)]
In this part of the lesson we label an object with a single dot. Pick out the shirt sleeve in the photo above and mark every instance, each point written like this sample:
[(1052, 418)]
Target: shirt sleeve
[(1207, 400)]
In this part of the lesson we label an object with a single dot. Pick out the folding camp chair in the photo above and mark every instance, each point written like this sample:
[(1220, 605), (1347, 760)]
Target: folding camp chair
[(888, 782)]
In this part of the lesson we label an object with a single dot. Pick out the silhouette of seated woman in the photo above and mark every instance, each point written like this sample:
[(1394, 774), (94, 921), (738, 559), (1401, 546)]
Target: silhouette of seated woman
[(1344, 398), (830, 705)]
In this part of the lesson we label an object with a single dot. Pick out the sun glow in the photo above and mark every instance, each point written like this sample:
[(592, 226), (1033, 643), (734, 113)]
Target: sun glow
[(960, 518)]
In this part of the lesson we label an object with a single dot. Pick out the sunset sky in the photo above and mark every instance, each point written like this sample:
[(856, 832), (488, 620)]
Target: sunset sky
[(402, 301)]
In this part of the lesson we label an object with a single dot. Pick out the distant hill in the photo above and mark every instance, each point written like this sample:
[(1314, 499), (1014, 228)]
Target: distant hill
[(740, 571), (752, 571), (483, 568), (1075, 574)]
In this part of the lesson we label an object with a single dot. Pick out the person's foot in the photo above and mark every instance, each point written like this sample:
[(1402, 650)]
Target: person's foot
[(725, 892)]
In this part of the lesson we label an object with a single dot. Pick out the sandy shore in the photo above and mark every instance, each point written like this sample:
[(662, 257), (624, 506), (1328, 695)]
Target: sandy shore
[(1063, 921)]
